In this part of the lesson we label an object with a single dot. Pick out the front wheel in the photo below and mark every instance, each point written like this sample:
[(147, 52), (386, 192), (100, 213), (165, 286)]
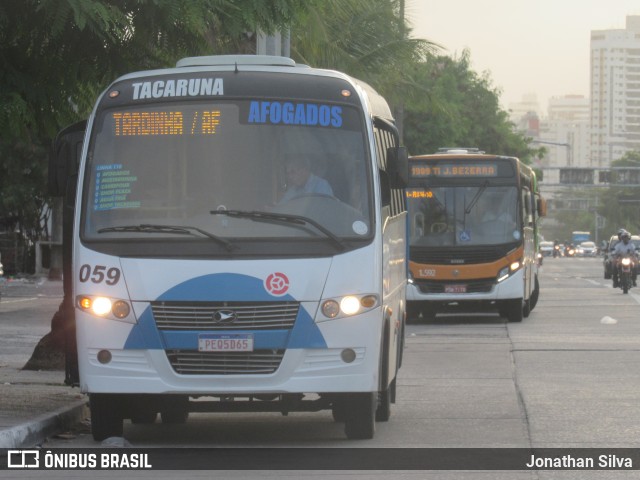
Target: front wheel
[(106, 416), (625, 281), (360, 419), (385, 399), (513, 310)]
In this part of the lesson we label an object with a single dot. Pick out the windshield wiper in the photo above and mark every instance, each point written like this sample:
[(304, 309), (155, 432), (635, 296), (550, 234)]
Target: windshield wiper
[(475, 199), (177, 229), (281, 219)]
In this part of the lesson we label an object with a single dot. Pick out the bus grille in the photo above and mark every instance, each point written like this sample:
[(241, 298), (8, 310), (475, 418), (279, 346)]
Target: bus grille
[(458, 256), (258, 362), (202, 315), (474, 286)]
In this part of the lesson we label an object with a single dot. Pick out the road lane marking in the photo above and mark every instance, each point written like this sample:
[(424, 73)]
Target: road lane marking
[(17, 300)]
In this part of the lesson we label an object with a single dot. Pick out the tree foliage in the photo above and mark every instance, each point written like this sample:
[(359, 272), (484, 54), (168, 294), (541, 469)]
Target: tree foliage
[(57, 55), (459, 108), (620, 205)]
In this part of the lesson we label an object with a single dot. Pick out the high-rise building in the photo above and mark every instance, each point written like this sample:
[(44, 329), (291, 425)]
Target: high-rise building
[(615, 92), (565, 132)]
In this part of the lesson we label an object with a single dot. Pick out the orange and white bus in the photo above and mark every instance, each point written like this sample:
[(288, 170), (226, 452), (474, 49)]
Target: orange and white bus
[(473, 224)]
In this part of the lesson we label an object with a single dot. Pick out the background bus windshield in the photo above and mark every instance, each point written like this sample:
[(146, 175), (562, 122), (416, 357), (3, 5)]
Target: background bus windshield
[(463, 215), (173, 164)]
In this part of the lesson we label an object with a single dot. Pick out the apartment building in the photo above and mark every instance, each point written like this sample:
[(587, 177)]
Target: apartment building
[(615, 92), (565, 132)]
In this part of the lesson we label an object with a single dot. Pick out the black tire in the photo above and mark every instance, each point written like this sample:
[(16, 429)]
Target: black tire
[(106, 416), (414, 309), (514, 310), (360, 422), (626, 282), (385, 399), (535, 295)]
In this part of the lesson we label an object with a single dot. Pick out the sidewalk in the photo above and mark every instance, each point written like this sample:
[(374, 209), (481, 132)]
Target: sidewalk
[(33, 404)]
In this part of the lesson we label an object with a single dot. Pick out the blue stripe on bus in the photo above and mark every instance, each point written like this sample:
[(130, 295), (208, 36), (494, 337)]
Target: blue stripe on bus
[(220, 287)]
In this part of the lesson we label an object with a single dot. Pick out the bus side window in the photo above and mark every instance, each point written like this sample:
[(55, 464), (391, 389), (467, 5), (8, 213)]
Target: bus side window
[(527, 211)]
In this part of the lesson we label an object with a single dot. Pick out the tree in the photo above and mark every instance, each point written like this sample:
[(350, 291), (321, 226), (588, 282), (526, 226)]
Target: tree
[(459, 108), (57, 56), (620, 204)]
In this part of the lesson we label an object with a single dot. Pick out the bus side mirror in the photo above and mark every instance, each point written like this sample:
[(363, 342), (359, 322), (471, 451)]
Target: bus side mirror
[(542, 207), (64, 159), (398, 166)]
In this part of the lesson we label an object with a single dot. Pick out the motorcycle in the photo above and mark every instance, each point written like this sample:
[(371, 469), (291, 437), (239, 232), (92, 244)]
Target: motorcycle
[(556, 251), (626, 266)]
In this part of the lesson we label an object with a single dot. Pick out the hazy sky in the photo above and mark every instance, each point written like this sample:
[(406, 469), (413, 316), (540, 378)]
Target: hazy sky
[(528, 46)]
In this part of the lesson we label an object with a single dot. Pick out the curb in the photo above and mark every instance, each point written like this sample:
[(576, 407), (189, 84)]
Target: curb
[(35, 431)]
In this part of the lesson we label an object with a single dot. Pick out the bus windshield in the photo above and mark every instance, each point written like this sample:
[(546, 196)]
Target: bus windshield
[(463, 215), (171, 171)]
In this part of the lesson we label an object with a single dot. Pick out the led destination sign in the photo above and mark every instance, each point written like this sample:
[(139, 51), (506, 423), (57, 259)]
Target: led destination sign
[(454, 170), (156, 123)]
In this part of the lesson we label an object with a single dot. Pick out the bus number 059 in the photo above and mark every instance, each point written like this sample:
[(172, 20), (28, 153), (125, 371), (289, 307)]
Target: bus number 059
[(99, 274)]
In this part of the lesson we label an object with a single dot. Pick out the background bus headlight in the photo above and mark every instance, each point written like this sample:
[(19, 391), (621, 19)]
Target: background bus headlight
[(505, 272)]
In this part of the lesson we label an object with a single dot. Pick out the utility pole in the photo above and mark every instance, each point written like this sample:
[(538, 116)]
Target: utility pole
[(278, 44), (400, 108)]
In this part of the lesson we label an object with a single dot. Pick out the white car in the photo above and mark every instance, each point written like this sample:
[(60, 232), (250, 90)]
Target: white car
[(587, 249), (546, 249)]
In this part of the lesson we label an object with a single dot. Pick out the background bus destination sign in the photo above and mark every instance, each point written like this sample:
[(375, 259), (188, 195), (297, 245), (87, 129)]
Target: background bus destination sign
[(454, 170)]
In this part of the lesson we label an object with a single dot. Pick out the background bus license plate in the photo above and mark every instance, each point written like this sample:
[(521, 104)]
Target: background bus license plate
[(455, 289), (240, 342)]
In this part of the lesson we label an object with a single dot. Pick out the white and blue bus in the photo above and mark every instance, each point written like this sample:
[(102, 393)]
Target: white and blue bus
[(204, 275)]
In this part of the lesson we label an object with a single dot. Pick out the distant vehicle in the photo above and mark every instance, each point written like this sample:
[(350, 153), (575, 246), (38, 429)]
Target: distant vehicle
[(608, 268), (578, 237), (473, 221), (587, 249), (546, 249)]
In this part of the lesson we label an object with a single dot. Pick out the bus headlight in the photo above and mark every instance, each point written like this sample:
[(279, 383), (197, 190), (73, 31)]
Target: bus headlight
[(505, 272), (105, 307), (348, 305)]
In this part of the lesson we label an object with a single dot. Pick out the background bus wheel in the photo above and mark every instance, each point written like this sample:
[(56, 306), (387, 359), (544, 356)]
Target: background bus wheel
[(413, 311), (383, 412), (513, 310), (526, 308), (106, 416), (360, 422)]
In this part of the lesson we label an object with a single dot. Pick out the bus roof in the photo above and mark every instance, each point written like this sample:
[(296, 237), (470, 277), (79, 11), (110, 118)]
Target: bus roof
[(449, 154), (266, 63)]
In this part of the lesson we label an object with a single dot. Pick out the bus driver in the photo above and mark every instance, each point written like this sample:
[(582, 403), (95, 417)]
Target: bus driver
[(301, 181)]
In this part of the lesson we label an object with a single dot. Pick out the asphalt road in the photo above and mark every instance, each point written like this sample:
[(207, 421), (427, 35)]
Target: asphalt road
[(565, 377)]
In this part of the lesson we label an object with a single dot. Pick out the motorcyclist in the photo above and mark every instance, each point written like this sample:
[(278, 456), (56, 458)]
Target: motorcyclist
[(623, 247)]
